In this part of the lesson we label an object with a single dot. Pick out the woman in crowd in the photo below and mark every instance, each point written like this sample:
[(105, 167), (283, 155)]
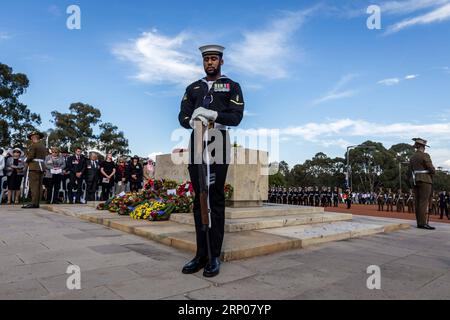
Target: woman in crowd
[(121, 176), (149, 170), (54, 165), (107, 172), (14, 170), (135, 174)]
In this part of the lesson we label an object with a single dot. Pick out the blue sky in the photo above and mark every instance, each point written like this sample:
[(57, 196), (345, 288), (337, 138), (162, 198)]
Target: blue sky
[(312, 70)]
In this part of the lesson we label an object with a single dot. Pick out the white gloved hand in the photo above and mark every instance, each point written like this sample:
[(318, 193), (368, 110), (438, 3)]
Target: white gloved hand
[(205, 113), (202, 119)]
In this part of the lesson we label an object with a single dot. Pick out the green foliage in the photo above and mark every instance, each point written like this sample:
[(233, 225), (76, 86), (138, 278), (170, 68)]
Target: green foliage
[(16, 120), (372, 166), (76, 128), (113, 140)]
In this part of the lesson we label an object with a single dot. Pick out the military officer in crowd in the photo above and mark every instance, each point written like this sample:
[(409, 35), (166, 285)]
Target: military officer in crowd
[(36, 167), (217, 101), (421, 170)]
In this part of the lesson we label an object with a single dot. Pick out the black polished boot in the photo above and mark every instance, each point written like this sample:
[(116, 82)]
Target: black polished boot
[(30, 206), (212, 269), (426, 227), (195, 265)]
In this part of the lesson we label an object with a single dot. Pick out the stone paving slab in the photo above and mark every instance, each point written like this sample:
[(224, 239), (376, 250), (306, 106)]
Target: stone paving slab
[(20, 290), (166, 285)]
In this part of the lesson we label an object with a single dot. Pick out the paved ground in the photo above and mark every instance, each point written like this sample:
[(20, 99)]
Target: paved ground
[(36, 247), (372, 210)]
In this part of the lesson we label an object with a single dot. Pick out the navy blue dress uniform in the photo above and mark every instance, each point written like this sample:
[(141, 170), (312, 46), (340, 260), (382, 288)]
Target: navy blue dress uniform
[(222, 102)]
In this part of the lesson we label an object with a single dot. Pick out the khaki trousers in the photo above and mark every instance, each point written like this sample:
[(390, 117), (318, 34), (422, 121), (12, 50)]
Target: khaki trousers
[(36, 178), (422, 192)]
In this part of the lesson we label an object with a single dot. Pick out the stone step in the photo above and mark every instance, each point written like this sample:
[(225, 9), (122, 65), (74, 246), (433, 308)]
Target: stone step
[(258, 223), (239, 245), (269, 210)]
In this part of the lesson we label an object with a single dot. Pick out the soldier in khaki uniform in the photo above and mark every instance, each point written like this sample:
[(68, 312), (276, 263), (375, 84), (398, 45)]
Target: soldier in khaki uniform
[(36, 166), (421, 171)]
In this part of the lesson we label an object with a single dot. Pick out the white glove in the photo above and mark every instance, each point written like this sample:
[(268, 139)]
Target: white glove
[(205, 113), (202, 119)]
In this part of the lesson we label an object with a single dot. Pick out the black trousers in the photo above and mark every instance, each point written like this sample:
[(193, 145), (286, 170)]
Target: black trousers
[(349, 203), (92, 186), (55, 185), (106, 191), (217, 204), (442, 211), (218, 170), (75, 183), (135, 186)]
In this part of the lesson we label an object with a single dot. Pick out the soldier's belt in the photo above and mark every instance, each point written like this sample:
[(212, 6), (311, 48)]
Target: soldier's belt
[(40, 161), (421, 171)]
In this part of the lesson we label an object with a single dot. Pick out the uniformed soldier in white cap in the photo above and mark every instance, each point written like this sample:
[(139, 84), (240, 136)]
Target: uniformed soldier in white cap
[(215, 100)]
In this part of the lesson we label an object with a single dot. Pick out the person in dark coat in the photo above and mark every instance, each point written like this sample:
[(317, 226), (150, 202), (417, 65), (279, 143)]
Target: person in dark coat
[(92, 176), (121, 176), (76, 165), (107, 172), (135, 174)]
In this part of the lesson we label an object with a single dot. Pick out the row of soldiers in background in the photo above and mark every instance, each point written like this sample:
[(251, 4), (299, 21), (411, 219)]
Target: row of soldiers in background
[(398, 199), (305, 196), (73, 178), (439, 202)]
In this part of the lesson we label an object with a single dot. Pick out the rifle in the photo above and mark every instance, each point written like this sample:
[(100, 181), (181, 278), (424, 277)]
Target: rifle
[(204, 179), (25, 186)]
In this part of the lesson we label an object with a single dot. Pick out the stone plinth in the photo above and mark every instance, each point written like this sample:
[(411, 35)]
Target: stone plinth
[(247, 174), (165, 168)]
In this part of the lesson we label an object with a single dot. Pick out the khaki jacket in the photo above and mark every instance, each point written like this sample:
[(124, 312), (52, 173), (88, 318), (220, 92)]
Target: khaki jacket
[(36, 151), (422, 161)]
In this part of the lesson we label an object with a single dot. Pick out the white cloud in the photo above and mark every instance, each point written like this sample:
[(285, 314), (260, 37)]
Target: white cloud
[(447, 164), (266, 52), (440, 157), (409, 6), (411, 76), (438, 15), (153, 155), (249, 114), (336, 93), (389, 82), (340, 132), (161, 59)]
